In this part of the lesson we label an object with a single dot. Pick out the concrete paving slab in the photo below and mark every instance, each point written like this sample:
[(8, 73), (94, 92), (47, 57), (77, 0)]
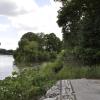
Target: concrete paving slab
[(86, 89)]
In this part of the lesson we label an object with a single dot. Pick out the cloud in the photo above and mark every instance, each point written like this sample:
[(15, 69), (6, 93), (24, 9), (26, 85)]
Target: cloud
[(16, 7), (7, 7), (26, 16), (42, 19)]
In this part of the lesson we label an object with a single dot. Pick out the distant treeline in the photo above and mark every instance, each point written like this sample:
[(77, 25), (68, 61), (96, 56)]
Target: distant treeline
[(6, 52)]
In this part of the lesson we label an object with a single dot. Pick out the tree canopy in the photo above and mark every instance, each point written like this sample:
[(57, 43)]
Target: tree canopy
[(37, 47), (80, 22)]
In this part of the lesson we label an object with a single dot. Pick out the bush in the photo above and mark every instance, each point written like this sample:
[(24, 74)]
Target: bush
[(28, 85)]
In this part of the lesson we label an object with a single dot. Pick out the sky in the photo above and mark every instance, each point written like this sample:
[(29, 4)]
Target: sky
[(20, 16)]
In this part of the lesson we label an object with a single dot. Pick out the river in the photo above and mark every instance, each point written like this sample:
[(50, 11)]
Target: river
[(6, 66)]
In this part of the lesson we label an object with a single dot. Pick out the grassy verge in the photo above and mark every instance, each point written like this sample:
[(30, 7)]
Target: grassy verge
[(59, 71), (76, 72)]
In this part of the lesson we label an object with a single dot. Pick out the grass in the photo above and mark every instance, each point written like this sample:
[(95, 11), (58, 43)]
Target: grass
[(31, 83), (56, 70), (77, 72)]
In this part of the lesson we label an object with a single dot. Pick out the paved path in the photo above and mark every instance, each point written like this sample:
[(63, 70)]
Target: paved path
[(61, 91), (80, 89), (86, 89)]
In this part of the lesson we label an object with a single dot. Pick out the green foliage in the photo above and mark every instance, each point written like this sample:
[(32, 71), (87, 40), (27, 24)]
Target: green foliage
[(32, 84), (70, 71), (52, 68), (37, 48), (87, 56), (52, 43), (6, 52), (80, 22), (60, 69), (28, 85)]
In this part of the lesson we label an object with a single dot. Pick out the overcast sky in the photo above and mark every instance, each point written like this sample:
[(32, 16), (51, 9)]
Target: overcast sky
[(20, 16)]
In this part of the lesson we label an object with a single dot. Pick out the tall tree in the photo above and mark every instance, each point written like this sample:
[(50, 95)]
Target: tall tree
[(37, 47), (52, 43), (80, 22)]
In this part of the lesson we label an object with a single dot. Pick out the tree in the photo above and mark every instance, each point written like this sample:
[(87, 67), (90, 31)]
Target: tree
[(6, 52), (52, 43), (37, 48), (80, 22), (30, 36)]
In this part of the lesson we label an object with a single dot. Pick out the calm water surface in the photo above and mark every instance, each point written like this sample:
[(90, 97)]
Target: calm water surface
[(6, 66)]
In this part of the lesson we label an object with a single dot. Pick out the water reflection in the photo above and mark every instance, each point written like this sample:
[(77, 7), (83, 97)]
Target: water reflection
[(6, 66)]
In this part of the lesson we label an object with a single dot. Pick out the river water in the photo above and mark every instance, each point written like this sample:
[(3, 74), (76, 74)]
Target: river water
[(6, 66)]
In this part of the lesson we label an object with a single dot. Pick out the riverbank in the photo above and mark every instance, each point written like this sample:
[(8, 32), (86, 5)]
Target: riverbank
[(33, 83)]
